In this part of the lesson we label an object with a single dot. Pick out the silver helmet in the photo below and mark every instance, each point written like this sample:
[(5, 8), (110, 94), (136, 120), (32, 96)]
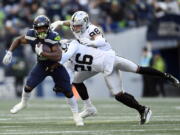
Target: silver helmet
[(79, 21)]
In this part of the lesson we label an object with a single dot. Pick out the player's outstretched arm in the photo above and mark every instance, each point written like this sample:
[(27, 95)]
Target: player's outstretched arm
[(16, 42), (58, 23), (73, 46)]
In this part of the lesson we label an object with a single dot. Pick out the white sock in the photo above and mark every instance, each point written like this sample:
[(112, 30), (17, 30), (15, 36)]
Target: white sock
[(87, 103), (73, 104), (25, 97)]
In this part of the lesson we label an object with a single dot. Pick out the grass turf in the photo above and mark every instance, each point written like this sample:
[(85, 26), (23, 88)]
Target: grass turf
[(53, 117)]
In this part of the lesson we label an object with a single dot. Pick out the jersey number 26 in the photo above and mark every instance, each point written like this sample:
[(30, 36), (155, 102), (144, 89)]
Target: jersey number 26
[(83, 64)]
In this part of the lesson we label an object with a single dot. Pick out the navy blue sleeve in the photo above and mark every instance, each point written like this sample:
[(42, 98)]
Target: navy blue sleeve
[(53, 38), (30, 35)]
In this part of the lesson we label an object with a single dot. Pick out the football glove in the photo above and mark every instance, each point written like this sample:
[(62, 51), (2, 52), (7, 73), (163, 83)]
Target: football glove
[(39, 49), (7, 58)]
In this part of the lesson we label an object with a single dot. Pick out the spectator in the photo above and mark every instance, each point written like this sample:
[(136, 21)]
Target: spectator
[(159, 64), (145, 62)]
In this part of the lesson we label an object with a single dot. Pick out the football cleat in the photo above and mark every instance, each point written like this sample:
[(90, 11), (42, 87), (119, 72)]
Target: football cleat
[(88, 111), (78, 120), (145, 116), (20, 106), (174, 81)]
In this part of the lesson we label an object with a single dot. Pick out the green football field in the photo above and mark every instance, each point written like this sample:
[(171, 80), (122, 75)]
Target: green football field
[(53, 117)]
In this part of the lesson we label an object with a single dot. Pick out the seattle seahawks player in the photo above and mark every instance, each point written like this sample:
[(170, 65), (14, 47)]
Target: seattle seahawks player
[(90, 35), (47, 64)]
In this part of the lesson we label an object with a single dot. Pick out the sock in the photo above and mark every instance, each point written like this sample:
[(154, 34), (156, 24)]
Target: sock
[(151, 72), (73, 104), (129, 101), (25, 97), (82, 90), (87, 103)]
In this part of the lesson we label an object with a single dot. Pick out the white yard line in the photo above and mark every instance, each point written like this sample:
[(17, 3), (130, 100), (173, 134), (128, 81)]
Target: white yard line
[(10, 126), (4, 119), (177, 107), (86, 131)]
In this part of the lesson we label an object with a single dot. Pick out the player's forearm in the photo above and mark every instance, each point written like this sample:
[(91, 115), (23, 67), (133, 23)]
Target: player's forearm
[(98, 42), (73, 46), (65, 57), (15, 44), (65, 23), (54, 56)]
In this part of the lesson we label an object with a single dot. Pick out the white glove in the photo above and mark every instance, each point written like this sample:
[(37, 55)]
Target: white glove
[(55, 24), (7, 58), (86, 41), (64, 43), (39, 49)]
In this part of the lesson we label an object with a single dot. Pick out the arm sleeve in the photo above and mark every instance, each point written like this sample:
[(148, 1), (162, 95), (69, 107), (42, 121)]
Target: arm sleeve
[(30, 35), (99, 42), (70, 52)]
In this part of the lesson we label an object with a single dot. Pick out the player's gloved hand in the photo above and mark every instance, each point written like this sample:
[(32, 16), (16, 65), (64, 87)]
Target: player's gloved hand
[(39, 49), (55, 24), (7, 58), (64, 43), (86, 41)]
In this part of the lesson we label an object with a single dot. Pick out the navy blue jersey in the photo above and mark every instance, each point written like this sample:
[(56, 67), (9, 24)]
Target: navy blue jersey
[(51, 40)]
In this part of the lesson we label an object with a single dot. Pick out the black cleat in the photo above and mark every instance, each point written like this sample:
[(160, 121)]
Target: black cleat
[(174, 81), (145, 116)]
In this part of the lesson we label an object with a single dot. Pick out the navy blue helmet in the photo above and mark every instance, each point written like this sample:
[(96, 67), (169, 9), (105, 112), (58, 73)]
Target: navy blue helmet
[(41, 25)]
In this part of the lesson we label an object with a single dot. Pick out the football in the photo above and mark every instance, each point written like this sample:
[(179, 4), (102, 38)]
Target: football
[(46, 48)]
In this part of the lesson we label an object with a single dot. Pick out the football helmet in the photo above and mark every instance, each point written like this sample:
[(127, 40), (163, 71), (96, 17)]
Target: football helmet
[(41, 25), (79, 22)]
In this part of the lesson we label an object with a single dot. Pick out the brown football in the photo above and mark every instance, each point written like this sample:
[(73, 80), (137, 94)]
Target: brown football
[(46, 48)]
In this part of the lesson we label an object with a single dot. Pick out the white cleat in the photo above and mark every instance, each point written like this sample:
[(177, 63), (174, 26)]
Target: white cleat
[(145, 116), (78, 120), (20, 106), (88, 111)]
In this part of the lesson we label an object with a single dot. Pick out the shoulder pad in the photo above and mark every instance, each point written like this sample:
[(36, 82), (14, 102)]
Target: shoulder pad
[(54, 36), (30, 35)]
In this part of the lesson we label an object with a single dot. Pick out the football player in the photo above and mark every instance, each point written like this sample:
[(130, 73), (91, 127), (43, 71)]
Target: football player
[(47, 64), (84, 59), (90, 35)]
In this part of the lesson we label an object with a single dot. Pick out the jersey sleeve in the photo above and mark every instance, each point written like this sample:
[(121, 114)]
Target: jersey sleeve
[(94, 31), (73, 47), (30, 35), (55, 38)]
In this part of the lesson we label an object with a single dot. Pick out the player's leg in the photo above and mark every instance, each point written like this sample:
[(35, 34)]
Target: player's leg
[(63, 85), (36, 76), (114, 83), (128, 66), (89, 108)]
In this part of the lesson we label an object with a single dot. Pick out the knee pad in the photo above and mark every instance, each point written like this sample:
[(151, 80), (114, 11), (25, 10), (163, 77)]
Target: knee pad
[(67, 93), (27, 89), (119, 96), (78, 85), (123, 97)]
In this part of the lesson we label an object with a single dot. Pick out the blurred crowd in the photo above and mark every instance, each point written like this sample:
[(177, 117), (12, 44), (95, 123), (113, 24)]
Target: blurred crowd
[(113, 16)]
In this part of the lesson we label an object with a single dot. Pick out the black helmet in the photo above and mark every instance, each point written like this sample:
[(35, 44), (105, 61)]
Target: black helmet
[(39, 22)]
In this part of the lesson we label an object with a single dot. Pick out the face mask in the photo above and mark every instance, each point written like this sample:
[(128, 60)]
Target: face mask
[(42, 35)]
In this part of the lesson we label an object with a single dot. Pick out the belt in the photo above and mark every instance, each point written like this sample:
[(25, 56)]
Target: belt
[(52, 67)]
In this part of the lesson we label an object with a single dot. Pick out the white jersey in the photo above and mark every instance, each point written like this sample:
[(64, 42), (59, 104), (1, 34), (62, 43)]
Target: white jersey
[(85, 58), (90, 32)]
